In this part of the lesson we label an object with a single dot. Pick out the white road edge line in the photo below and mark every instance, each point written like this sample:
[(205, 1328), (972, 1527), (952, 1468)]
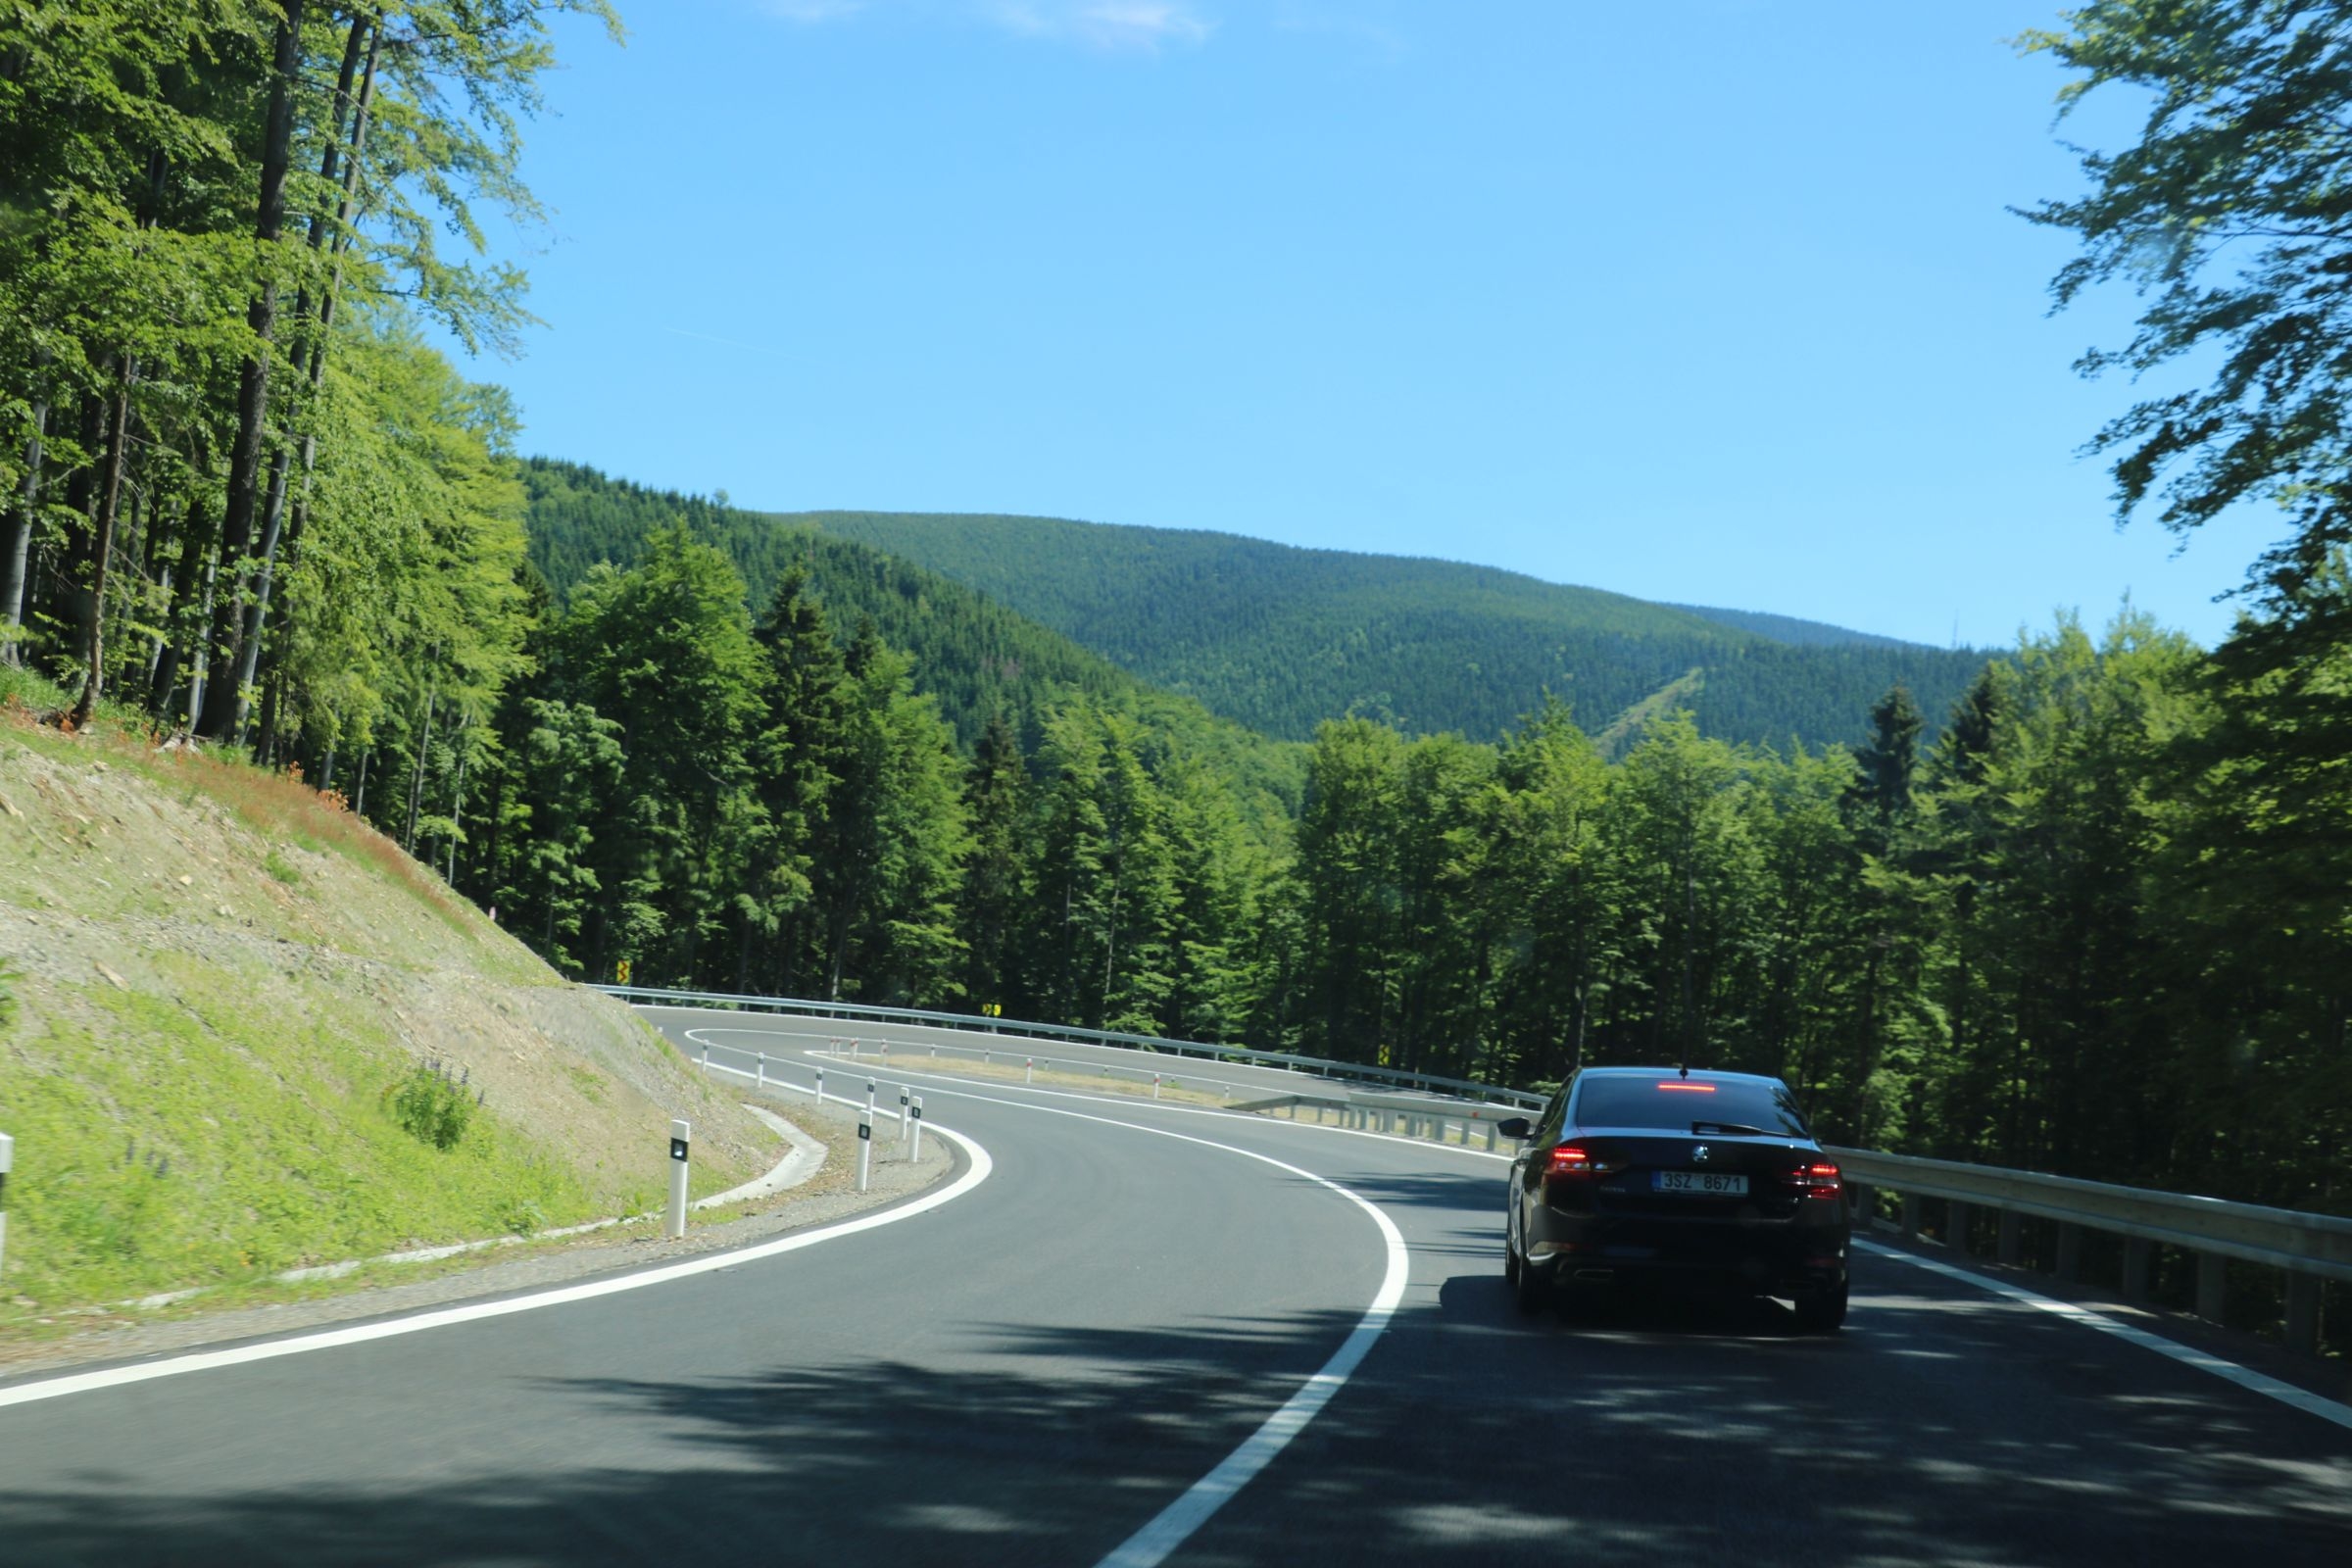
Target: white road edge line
[(1173, 1525), (359, 1334), (2187, 1355)]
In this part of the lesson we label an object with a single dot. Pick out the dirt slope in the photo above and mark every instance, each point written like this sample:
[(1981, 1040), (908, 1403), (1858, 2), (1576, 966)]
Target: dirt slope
[(221, 984)]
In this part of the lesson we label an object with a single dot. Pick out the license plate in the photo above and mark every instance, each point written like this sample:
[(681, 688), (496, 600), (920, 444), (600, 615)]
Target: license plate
[(1706, 1183)]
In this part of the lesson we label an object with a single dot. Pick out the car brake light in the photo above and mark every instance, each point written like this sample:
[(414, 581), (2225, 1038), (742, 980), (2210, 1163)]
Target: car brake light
[(1575, 1159), (1817, 1180), (1689, 1089)]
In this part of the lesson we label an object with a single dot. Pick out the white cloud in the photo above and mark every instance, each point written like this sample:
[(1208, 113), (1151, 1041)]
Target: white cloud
[(1370, 33), (1111, 25), (1104, 24), (811, 11)]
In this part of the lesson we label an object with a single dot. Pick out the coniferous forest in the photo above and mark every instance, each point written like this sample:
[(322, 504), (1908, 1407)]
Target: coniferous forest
[(2089, 914)]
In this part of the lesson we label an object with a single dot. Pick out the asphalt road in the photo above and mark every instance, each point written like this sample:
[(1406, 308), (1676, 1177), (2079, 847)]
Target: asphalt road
[(1032, 1372)]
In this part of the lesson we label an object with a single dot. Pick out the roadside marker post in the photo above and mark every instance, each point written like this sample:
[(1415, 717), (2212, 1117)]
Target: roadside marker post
[(679, 1133), (865, 1148), (917, 1114), (8, 1157), (869, 1099), (906, 1098), (821, 1086), (760, 1072), (1156, 1086), (1029, 1071)]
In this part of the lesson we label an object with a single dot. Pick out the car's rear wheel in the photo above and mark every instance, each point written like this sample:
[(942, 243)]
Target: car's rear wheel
[(1531, 1287), (1821, 1311)]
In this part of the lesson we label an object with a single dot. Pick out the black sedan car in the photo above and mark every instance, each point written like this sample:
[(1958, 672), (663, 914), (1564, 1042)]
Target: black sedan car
[(1641, 1176)]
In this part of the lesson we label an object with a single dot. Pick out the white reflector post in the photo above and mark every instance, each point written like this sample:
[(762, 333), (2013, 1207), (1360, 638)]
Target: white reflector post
[(679, 1133), (8, 1157)]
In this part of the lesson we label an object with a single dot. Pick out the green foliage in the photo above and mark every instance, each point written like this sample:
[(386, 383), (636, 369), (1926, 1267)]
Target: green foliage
[(281, 870), (434, 1105), (2229, 217)]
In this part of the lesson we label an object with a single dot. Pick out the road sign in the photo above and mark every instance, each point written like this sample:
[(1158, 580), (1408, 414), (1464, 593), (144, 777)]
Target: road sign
[(620, 974)]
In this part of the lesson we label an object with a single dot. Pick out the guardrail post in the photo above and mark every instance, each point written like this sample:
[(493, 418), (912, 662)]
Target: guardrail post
[(1490, 1136), (2303, 1313), (2138, 1254), (2070, 1251), (679, 1133), (2012, 1237), (2213, 1280), (1858, 1197), (1955, 1226), (1910, 1216)]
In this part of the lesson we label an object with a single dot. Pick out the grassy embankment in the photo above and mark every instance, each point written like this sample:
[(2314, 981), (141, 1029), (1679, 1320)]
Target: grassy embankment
[(237, 1025)]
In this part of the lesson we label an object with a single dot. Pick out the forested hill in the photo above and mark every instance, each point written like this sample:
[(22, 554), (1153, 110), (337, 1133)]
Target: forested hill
[(1281, 638), (974, 656), (1791, 629)]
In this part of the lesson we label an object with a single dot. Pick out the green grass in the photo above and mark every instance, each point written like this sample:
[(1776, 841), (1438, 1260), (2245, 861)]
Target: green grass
[(206, 1144), (279, 868)]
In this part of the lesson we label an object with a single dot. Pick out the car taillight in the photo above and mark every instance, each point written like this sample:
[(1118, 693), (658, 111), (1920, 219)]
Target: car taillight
[(1817, 1180), (1575, 1159)]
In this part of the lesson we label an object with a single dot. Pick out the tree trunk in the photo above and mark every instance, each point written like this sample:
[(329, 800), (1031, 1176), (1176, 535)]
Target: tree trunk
[(199, 619), (20, 544), (365, 30), (457, 811), (424, 747), (93, 643), (253, 378), (257, 608)]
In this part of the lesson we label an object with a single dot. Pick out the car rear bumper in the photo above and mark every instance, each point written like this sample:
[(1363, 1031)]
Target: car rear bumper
[(1776, 1259)]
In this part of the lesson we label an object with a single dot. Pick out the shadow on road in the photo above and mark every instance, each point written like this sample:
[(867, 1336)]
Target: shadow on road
[(1943, 1428)]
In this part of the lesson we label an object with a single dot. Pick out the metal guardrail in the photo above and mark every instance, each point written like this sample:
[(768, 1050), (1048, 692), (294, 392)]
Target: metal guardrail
[(1409, 1116), (2309, 1247), (1318, 1065)]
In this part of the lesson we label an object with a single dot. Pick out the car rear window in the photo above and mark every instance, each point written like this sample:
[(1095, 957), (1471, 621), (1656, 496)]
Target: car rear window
[(1669, 1102)]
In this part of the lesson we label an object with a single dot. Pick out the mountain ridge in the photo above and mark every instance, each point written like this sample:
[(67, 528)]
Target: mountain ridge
[(1280, 637)]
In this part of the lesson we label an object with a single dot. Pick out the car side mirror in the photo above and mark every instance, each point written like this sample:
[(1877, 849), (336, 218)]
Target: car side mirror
[(1515, 1127)]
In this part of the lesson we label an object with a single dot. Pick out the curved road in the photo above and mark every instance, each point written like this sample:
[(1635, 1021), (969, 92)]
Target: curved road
[(1033, 1372)]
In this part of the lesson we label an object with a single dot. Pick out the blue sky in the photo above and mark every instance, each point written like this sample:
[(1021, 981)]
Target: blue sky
[(1716, 303)]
